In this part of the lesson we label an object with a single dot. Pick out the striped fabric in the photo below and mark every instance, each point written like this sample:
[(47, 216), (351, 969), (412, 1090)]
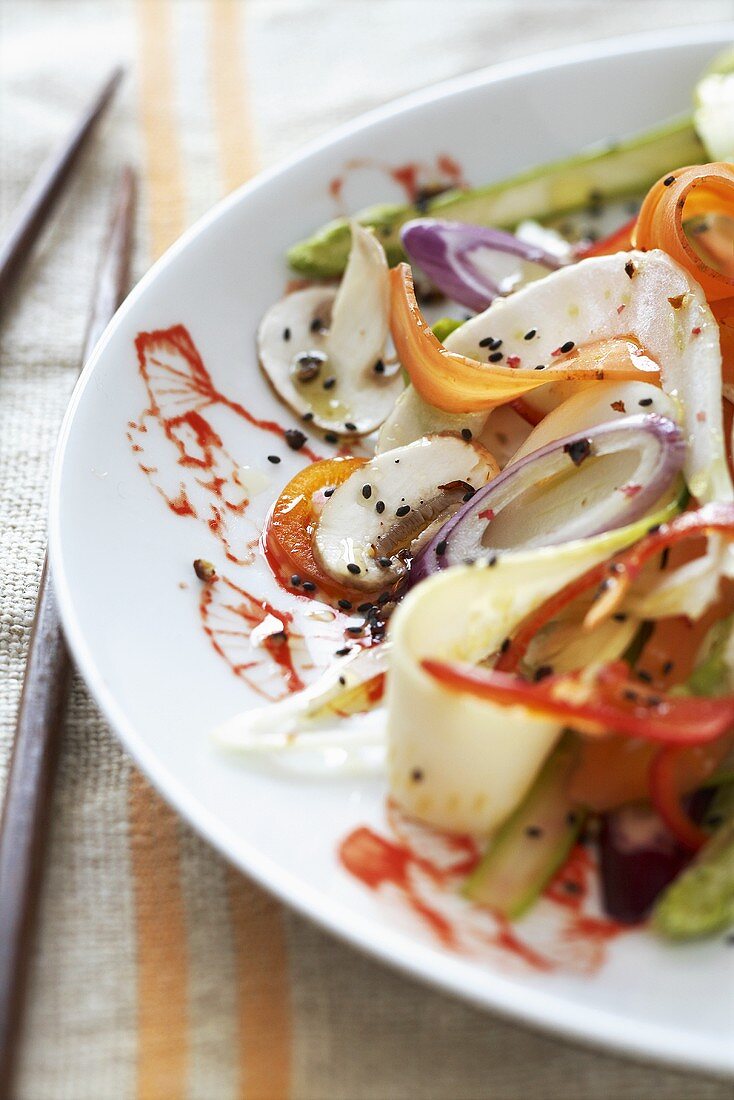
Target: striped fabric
[(161, 973)]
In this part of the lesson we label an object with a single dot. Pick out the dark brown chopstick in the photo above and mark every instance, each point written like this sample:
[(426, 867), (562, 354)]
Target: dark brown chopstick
[(28, 794), (46, 187)]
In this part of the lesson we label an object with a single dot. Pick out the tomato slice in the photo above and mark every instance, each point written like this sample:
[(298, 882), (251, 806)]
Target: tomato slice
[(606, 701), (288, 536)]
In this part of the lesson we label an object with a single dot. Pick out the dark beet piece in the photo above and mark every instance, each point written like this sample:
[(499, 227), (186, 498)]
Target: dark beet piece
[(638, 857)]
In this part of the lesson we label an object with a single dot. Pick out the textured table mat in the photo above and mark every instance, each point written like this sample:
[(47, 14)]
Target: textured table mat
[(159, 972)]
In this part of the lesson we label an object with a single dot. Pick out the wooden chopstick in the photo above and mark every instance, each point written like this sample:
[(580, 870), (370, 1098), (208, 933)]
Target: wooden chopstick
[(46, 187), (28, 794)]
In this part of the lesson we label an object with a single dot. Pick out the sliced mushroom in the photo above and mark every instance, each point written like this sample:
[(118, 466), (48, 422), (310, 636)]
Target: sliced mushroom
[(380, 517), (322, 348)]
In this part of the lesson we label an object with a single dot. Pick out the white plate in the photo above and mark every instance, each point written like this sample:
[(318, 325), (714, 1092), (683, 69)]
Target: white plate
[(121, 555)]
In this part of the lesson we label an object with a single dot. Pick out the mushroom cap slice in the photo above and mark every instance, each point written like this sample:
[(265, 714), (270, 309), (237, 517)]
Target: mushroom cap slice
[(322, 348), (380, 517)]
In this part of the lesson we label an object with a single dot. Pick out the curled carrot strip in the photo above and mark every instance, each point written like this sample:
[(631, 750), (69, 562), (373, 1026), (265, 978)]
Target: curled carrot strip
[(458, 384), (701, 189), (723, 311)]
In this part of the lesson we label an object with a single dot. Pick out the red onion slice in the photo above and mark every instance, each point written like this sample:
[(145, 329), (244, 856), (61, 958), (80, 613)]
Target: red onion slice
[(582, 485), (473, 265)]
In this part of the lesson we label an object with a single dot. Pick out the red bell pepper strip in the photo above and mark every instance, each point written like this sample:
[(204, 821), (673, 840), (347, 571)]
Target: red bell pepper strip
[(605, 702), (614, 577)]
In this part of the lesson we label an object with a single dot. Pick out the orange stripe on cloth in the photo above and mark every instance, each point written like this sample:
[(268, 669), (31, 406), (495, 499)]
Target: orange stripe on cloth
[(261, 958), (160, 923), (230, 99), (161, 945), (262, 990), (163, 168)]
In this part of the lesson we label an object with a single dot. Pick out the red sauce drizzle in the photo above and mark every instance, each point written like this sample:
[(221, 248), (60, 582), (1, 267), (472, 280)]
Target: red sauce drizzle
[(376, 862), (229, 614), (414, 177), (180, 391)]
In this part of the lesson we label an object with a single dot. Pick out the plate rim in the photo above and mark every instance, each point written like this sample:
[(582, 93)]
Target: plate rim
[(591, 1027)]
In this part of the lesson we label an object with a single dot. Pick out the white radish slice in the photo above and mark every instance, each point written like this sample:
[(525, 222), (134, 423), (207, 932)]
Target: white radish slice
[(378, 518), (321, 348), (596, 404), (412, 417), (455, 761), (642, 295)]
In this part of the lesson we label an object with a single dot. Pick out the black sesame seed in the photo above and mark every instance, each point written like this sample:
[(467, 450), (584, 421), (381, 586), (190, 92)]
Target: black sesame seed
[(505, 645), (307, 416), (349, 426), (329, 383), (441, 548), (331, 437), (380, 507), (619, 617), (343, 651), (366, 491), (654, 529), (317, 324), (309, 586), (416, 775), (466, 433), (384, 563), (533, 830), (296, 581), (579, 450), (342, 680), (308, 366), (644, 675), (568, 346), (542, 672), (495, 357), (630, 696), (294, 438), (492, 560), (286, 334), (630, 268), (495, 344), (364, 607), (541, 366), (664, 558), (354, 630), (275, 459), (353, 568), (667, 668), (346, 605), (645, 401), (379, 367), (530, 334), (486, 342), (329, 492), (668, 180), (402, 510)]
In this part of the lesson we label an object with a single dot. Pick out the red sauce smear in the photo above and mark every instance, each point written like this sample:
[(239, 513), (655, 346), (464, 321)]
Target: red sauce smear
[(181, 393), (229, 614), (416, 179), (378, 862)]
